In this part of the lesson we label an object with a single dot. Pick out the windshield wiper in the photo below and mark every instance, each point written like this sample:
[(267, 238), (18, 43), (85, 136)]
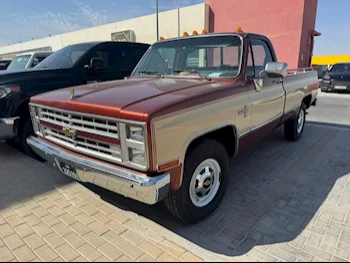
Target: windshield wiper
[(178, 71), (148, 72)]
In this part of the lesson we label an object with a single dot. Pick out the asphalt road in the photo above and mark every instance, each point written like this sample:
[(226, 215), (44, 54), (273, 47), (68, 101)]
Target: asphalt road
[(332, 108)]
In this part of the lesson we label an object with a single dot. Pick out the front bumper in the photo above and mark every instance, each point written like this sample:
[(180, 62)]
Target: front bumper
[(134, 185), (331, 86), (8, 128)]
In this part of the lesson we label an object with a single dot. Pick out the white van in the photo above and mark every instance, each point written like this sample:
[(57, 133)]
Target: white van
[(28, 60)]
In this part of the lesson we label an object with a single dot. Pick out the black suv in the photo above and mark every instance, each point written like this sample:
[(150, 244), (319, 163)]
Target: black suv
[(4, 63), (71, 66)]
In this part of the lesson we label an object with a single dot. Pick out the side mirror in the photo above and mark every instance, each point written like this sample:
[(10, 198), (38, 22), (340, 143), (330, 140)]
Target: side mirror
[(276, 68), (97, 65)]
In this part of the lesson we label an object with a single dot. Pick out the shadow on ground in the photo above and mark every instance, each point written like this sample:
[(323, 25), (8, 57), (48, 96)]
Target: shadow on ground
[(23, 178), (275, 192)]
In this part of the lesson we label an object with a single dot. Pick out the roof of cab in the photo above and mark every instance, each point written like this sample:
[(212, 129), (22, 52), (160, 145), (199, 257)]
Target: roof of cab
[(241, 34), (34, 52)]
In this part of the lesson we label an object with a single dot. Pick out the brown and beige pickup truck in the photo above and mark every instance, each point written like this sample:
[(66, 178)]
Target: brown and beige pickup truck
[(167, 132)]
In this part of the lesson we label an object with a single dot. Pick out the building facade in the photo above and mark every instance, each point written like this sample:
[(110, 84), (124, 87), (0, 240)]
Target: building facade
[(290, 24)]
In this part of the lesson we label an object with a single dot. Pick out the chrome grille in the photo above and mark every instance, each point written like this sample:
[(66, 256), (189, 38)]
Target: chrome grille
[(92, 125), (104, 138)]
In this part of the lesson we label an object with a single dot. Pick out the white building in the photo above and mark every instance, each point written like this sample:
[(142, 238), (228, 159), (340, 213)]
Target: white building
[(142, 29)]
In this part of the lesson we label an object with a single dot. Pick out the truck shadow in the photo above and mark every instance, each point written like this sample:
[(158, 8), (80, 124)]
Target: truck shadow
[(276, 191), (23, 179)]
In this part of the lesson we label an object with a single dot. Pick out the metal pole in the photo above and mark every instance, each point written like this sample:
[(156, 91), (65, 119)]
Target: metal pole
[(20, 41), (157, 19)]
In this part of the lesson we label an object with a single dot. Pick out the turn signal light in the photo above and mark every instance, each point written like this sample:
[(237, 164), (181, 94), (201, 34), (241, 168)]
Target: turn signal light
[(204, 32), (168, 165), (161, 38), (195, 33), (239, 30), (186, 34)]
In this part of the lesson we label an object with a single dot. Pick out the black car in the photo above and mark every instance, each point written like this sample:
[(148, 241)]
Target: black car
[(337, 79), (4, 63), (71, 66)]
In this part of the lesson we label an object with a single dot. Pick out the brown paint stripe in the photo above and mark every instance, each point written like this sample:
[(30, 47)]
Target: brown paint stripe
[(98, 138), (51, 126)]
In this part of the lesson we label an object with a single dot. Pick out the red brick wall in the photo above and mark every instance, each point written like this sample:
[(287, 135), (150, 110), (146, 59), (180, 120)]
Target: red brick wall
[(286, 22)]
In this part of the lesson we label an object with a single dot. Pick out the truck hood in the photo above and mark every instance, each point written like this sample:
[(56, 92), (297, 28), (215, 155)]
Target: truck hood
[(115, 99)]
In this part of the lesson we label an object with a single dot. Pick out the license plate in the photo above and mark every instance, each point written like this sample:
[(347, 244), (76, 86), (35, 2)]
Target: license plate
[(68, 170), (340, 87)]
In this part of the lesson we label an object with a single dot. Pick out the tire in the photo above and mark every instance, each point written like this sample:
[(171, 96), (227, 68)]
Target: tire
[(25, 131), (294, 127), (205, 153)]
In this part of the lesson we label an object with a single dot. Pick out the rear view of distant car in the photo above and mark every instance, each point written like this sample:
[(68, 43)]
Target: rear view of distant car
[(28, 60)]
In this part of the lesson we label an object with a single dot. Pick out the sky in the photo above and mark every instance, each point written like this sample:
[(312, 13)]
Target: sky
[(27, 19)]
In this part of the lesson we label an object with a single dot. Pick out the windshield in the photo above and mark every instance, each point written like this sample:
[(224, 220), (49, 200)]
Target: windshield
[(66, 57), (341, 68), (217, 56), (19, 62)]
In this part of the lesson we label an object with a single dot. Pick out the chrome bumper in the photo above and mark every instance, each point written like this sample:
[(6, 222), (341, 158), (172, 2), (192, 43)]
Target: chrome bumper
[(134, 185), (8, 128)]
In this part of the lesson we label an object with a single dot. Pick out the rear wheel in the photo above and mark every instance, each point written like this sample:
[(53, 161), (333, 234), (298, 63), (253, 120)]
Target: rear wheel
[(204, 183), (294, 128)]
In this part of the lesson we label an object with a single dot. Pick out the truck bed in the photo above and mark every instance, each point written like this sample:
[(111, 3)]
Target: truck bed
[(298, 84)]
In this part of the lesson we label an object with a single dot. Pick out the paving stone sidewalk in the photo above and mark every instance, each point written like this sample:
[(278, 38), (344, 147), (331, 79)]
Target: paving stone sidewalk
[(285, 202), (47, 217)]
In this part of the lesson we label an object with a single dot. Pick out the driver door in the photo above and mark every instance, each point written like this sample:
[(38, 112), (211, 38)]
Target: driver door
[(266, 93)]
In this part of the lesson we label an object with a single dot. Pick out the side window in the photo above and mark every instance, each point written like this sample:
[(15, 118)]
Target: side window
[(118, 58), (250, 64), (262, 55), (41, 58)]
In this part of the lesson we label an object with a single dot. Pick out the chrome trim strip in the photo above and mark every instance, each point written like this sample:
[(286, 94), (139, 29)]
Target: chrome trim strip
[(244, 133), (123, 146), (266, 122), (134, 185)]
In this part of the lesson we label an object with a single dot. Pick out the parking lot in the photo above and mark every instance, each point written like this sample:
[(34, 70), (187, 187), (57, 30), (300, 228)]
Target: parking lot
[(285, 202)]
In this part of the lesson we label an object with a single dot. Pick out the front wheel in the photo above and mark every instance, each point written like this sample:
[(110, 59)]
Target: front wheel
[(204, 183), (25, 131), (294, 128)]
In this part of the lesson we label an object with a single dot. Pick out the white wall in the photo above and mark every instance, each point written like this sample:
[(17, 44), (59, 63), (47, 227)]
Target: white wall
[(191, 18)]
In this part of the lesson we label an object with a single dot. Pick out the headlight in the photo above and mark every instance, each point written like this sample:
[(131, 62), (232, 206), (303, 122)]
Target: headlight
[(137, 156), (5, 90), (137, 133), (136, 144)]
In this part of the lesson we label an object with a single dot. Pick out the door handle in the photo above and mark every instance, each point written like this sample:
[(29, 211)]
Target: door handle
[(277, 81)]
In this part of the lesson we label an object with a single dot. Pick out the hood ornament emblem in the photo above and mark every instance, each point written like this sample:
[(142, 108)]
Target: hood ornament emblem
[(72, 94)]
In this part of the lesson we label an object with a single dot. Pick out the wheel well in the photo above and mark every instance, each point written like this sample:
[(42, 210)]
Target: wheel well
[(22, 111), (226, 136), (307, 101)]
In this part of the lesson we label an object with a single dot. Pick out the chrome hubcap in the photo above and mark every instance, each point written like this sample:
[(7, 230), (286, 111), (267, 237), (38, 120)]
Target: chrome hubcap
[(205, 183), (301, 120)]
